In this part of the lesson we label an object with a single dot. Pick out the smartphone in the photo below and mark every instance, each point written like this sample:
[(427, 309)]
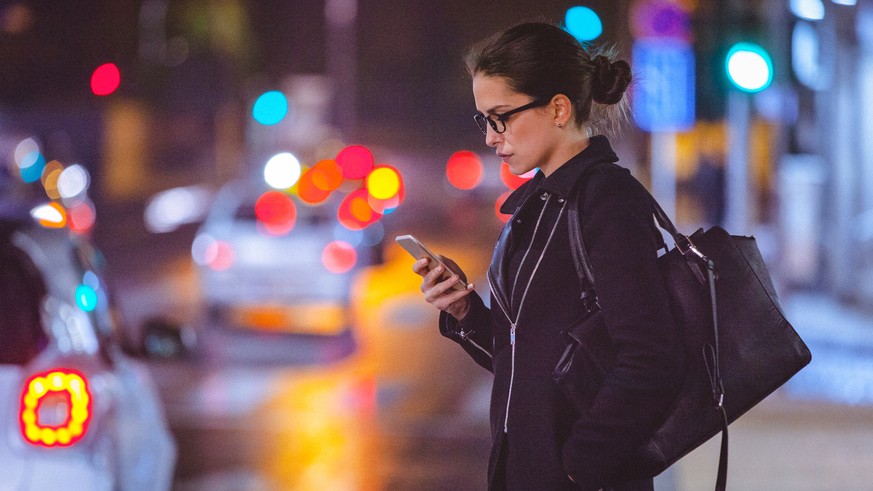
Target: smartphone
[(418, 251)]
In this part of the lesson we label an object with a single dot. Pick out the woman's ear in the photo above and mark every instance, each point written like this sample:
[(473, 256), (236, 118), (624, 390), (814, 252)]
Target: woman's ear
[(563, 110)]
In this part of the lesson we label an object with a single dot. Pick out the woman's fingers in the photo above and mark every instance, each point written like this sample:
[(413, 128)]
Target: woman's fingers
[(420, 266)]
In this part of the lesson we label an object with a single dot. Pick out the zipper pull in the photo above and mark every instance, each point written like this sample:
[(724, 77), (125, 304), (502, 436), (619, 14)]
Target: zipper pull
[(512, 334)]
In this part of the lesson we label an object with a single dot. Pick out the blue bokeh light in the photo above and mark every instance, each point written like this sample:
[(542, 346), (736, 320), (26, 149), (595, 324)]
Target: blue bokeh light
[(583, 23), (270, 108)]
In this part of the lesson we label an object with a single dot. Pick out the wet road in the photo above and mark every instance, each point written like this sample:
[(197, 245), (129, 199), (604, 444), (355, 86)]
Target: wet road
[(391, 407)]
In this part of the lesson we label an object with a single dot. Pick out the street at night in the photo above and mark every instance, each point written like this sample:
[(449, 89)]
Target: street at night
[(200, 287)]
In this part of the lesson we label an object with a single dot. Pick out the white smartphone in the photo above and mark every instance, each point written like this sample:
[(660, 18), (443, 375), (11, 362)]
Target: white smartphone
[(418, 251)]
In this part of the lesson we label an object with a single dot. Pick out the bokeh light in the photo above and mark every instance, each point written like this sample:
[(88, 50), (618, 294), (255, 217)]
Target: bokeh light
[(29, 159), (50, 215), (355, 161), (327, 175), (500, 200), (86, 298), (749, 67), (73, 182), (387, 206), (308, 191), (81, 217), (168, 210), (50, 176), (511, 180), (383, 182), (583, 23), (276, 212), (105, 79), (208, 251), (464, 170), (355, 212), (270, 108), (339, 257), (282, 171)]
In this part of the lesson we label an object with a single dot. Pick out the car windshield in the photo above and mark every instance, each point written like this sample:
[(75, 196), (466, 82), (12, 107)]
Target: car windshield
[(21, 293)]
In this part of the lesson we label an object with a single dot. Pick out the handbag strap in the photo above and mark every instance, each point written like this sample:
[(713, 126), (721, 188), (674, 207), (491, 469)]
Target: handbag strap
[(684, 245)]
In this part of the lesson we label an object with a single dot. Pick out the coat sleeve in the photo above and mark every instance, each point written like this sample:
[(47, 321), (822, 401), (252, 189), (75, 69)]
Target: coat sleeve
[(621, 241), (473, 333)]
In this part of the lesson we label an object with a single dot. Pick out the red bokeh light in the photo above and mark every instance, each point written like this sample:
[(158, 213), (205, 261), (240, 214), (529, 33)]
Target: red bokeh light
[(464, 170), (355, 212), (355, 161), (81, 217), (500, 199), (511, 180), (339, 257), (276, 212), (105, 79)]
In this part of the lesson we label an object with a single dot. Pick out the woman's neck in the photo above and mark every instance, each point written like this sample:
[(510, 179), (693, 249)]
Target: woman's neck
[(565, 149)]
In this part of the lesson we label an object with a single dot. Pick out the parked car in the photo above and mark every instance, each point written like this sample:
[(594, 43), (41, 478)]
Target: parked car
[(258, 280), (76, 411)]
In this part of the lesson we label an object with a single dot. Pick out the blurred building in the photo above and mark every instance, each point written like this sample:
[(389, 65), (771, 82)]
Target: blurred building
[(389, 73)]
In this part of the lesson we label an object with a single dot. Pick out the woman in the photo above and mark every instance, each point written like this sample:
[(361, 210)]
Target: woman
[(536, 88)]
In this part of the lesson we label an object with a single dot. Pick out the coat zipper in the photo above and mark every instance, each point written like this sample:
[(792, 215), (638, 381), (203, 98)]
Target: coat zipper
[(514, 324)]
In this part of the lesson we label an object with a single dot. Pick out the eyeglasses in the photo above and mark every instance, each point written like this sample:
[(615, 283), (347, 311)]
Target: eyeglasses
[(498, 121)]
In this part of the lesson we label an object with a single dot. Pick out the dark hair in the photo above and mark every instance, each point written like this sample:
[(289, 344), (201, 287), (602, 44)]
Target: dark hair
[(543, 60)]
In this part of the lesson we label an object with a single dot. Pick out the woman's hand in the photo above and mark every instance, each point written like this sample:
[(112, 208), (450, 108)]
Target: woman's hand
[(440, 294)]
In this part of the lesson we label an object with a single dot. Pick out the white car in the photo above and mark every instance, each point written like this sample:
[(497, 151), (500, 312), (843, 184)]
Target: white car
[(284, 282), (76, 412)]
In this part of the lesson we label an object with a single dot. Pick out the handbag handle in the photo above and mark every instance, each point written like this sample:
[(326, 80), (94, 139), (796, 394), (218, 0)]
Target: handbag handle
[(684, 245)]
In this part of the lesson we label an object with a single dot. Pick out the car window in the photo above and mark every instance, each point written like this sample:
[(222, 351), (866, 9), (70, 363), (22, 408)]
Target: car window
[(22, 291)]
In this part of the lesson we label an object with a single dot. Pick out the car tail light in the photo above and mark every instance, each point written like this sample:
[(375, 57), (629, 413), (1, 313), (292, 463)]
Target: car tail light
[(55, 408)]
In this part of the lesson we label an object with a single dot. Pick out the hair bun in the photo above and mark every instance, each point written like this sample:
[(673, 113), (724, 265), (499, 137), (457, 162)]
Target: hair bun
[(610, 79)]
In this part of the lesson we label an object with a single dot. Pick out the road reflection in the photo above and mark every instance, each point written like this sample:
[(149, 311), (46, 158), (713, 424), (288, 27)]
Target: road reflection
[(389, 406)]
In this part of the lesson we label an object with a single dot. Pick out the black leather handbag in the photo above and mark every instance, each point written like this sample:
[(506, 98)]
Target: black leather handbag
[(739, 347)]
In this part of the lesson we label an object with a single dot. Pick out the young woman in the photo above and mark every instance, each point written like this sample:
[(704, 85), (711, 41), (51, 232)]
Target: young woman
[(538, 91)]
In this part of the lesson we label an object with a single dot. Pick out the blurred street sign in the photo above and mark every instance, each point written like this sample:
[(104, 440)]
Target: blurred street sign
[(664, 95)]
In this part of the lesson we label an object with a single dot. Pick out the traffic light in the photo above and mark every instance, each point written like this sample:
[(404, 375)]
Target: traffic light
[(749, 67)]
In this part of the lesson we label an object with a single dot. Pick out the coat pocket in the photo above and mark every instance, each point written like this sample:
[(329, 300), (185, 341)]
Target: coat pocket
[(587, 357)]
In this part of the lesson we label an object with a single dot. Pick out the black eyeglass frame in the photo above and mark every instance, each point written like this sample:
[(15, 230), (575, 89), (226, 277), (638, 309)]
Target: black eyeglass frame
[(493, 119)]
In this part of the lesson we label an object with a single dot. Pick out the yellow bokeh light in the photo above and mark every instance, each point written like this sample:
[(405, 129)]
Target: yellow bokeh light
[(383, 183)]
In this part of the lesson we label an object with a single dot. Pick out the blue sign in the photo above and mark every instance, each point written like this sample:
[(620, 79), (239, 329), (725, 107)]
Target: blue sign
[(663, 98)]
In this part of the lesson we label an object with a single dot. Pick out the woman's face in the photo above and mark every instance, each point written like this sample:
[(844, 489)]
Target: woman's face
[(529, 139)]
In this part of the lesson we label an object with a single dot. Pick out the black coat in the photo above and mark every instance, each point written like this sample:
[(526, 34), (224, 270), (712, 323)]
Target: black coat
[(544, 438)]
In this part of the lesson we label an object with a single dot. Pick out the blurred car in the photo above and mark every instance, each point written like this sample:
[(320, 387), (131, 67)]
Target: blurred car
[(76, 411), (294, 280)]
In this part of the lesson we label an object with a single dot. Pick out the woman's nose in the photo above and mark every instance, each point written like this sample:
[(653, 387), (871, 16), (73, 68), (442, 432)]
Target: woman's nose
[(492, 137)]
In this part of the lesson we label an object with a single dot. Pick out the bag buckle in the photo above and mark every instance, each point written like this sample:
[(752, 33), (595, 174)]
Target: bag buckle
[(684, 244)]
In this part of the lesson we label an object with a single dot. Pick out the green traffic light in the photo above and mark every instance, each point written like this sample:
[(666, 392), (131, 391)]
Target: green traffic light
[(749, 67)]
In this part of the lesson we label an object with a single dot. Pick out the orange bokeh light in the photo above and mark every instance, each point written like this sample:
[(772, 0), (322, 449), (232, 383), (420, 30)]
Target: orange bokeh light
[(327, 175), (355, 212), (308, 191)]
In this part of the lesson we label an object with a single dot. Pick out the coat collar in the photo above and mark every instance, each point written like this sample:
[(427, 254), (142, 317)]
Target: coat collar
[(561, 181)]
